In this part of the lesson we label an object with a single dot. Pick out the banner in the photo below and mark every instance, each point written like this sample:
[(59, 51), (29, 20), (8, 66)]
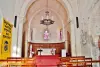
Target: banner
[(6, 39)]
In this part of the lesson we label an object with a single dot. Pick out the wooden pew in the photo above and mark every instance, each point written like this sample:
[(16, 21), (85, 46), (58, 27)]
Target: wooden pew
[(23, 62), (75, 64), (14, 61), (88, 64), (3, 63), (64, 60), (77, 61), (29, 62)]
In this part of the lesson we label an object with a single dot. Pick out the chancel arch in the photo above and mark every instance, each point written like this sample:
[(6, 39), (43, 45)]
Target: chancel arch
[(61, 13)]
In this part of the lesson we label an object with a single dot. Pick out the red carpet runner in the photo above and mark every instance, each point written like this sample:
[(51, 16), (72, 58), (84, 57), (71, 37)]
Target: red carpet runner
[(47, 61)]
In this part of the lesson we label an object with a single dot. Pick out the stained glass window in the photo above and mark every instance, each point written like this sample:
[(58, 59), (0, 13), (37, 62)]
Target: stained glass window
[(46, 35)]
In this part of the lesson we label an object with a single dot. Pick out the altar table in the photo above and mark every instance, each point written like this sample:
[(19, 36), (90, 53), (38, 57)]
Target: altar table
[(46, 51)]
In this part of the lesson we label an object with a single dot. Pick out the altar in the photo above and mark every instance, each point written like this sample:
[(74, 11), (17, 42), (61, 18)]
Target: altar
[(46, 51), (45, 48)]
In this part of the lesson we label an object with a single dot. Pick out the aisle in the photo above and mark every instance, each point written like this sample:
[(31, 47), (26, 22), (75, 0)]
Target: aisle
[(47, 61)]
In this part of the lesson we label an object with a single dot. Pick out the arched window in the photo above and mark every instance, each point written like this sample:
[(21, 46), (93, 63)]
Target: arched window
[(46, 34)]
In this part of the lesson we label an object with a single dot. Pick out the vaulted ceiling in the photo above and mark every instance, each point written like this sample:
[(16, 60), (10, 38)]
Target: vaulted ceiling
[(37, 9)]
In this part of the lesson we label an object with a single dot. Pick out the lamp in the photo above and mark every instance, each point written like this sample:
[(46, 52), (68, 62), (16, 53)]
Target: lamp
[(47, 21)]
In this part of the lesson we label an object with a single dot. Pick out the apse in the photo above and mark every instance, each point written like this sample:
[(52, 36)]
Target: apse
[(57, 31), (39, 29)]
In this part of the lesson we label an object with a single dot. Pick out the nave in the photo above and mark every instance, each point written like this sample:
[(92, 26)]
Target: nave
[(49, 61), (50, 26)]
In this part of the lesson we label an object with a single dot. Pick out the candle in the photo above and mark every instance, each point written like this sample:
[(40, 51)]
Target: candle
[(42, 18)]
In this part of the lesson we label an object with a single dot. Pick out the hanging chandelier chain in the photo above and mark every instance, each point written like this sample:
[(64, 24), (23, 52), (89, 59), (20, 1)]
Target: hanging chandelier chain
[(47, 12), (47, 5), (47, 21)]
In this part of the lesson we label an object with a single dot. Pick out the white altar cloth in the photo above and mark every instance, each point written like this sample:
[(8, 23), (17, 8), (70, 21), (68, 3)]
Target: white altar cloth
[(47, 51)]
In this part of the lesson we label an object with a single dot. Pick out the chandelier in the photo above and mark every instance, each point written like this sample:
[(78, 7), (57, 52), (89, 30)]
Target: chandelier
[(47, 20)]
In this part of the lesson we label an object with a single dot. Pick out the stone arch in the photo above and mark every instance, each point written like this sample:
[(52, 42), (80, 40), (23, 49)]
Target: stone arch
[(65, 4)]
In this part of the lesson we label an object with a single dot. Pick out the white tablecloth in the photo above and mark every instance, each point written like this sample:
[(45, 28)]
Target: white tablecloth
[(47, 51)]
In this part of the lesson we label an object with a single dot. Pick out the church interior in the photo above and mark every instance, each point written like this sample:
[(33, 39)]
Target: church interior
[(49, 33)]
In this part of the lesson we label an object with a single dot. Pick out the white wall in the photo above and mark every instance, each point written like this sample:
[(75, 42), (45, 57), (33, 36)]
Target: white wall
[(54, 29), (0, 20), (7, 9), (84, 36), (89, 27)]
